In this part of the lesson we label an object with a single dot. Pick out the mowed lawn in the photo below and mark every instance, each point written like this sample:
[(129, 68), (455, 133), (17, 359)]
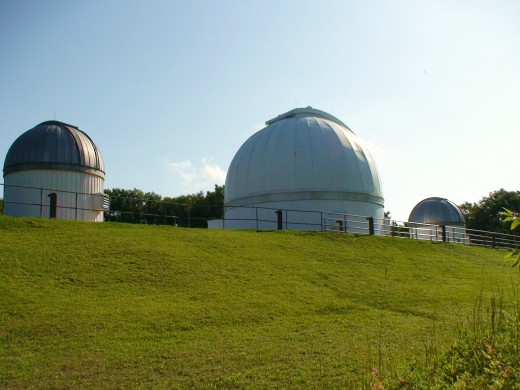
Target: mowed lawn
[(86, 305)]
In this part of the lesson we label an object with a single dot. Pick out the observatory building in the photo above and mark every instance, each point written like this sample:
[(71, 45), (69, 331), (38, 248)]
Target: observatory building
[(305, 170), (431, 214), (54, 170)]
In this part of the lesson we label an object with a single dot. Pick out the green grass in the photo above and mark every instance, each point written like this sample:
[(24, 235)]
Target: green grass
[(87, 305)]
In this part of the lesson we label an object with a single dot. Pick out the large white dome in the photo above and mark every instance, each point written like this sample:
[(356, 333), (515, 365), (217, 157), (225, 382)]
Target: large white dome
[(310, 167), (304, 154)]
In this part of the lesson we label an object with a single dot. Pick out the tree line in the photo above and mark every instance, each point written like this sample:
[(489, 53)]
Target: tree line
[(486, 214), (136, 206), (195, 210)]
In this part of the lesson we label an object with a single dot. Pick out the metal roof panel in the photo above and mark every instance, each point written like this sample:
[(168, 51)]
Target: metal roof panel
[(54, 145)]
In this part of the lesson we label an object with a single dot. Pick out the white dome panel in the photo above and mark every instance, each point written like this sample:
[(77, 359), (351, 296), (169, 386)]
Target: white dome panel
[(303, 154)]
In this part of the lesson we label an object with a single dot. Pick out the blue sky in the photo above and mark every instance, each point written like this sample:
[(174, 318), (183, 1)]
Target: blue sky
[(169, 90)]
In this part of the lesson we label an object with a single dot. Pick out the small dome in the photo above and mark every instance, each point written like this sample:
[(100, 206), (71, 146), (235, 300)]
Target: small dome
[(304, 154), (437, 211), (54, 145)]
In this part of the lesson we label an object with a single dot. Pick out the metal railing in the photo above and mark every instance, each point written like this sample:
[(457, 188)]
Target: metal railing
[(152, 211), (37, 202), (160, 212), (50, 202), (273, 218)]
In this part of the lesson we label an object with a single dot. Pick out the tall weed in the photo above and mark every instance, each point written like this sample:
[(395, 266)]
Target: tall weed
[(484, 355)]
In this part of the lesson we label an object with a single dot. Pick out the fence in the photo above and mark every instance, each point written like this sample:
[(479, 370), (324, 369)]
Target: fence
[(270, 218), (28, 201), (254, 217), (454, 234), (159, 212), (150, 211)]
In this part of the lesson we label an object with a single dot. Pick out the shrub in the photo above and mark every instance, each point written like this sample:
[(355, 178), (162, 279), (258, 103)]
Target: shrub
[(484, 355)]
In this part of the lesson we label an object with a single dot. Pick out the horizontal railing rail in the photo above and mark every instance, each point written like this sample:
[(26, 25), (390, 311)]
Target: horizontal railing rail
[(153, 211)]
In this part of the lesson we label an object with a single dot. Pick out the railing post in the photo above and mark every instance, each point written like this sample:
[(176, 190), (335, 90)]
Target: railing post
[(443, 231), (371, 226), (279, 219), (53, 205), (340, 223), (256, 213), (41, 202)]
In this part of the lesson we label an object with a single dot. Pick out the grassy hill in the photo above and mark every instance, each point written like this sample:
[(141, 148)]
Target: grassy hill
[(87, 305)]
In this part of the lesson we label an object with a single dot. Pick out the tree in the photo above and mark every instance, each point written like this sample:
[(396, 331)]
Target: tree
[(198, 208), (194, 210), (486, 214), (128, 205), (514, 218)]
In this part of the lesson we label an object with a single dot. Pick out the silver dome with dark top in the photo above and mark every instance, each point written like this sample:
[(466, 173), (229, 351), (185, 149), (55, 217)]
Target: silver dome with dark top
[(54, 145), (437, 211)]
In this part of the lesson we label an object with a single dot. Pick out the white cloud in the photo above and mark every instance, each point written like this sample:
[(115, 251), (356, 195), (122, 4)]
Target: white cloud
[(197, 178)]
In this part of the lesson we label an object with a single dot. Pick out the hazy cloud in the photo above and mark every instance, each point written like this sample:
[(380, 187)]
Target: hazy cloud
[(195, 178)]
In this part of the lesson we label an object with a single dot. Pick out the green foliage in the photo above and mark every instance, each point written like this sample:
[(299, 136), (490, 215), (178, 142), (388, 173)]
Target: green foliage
[(131, 205), (85, 305), (484, 354), (485, 214), (514, 218), (193, 210), (511, 216)]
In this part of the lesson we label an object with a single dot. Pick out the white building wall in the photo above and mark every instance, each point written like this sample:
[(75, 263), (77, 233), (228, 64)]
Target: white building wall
[(428, 232), (76, 194), (304, 215)]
